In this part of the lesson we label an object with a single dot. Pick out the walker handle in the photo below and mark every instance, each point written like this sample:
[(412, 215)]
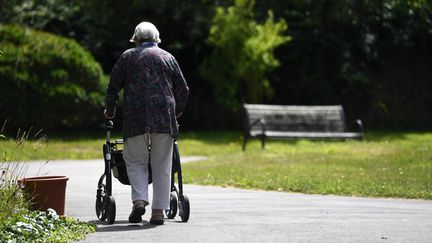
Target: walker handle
[(109, 124)]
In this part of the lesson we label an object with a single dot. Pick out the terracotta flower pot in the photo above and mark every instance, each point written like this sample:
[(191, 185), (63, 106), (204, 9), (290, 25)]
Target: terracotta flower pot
[(46, 192)]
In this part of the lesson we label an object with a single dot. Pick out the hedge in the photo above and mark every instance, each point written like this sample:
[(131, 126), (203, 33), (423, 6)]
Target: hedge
[(47, 81)]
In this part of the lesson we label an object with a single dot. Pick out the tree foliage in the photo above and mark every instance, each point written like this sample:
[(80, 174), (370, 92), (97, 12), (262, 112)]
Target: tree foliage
[(47, 81), (371, 56), (242, 55)]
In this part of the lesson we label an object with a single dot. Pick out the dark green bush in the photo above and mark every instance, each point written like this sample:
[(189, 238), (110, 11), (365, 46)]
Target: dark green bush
[(47, 81)]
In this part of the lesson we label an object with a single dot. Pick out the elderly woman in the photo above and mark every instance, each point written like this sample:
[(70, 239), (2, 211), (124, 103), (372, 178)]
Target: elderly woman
[(155, 94)]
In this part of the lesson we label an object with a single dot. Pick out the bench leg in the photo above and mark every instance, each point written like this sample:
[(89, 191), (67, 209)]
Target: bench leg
[(263, 142), (245, 138)]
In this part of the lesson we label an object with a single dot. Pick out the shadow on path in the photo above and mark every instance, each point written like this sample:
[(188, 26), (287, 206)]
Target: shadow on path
[(122, 225)]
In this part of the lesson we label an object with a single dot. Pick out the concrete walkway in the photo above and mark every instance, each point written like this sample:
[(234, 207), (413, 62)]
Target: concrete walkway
[(235, 215)]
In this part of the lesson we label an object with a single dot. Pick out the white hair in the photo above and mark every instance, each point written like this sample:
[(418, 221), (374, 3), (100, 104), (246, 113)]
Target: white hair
[(145, 31)]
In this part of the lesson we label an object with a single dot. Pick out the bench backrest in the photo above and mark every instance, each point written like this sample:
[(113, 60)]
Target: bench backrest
[(296, 118)]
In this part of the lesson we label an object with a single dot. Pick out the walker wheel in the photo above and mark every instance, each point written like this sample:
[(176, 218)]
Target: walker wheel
[(110, 209), (100, 205), (171, 213), (184, 208)]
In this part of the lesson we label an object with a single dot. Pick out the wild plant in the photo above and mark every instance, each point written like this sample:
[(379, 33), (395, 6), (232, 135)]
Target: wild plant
[(13, 201)]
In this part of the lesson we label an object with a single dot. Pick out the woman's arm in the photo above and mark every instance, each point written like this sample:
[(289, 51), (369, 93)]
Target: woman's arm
[(181, 90), (116, 84)]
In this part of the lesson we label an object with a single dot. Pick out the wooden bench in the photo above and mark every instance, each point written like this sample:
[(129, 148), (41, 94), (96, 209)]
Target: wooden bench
[(293, 122)]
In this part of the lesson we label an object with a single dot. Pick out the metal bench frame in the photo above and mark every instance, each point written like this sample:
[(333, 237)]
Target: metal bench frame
[(294, 122)]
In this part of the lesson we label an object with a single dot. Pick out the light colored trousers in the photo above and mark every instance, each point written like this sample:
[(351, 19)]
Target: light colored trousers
[(136, 156)]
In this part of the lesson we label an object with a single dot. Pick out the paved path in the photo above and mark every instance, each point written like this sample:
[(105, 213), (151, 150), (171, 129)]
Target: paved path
[(234, 215)]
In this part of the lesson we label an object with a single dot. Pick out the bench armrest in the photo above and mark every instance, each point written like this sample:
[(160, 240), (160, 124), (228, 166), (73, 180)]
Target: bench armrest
[(360, 125), (261, 122)]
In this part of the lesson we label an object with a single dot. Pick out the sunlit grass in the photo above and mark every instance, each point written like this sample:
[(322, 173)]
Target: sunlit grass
[(383, 165), (54, 149)]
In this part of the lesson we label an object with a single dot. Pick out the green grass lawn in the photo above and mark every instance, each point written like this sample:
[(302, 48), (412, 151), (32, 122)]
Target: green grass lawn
[(384, 165), (396, 164)]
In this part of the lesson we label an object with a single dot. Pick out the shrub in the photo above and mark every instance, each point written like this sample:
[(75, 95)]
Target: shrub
[(243, 54), (47, 81)]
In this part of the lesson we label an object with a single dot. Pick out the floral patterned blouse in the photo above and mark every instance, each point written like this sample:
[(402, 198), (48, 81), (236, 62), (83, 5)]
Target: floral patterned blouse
[(155, 91)]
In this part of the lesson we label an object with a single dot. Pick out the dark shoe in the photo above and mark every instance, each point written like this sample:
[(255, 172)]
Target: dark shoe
[(138, 210), (157, 218)]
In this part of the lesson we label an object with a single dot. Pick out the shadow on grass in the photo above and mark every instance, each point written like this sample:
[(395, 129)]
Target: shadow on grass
[(227, 137), (376, 136), (214, 138), (223, 138), (237, 137), (82, 135)]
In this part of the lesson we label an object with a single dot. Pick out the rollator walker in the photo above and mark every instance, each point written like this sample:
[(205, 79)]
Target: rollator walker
[(115, 165)]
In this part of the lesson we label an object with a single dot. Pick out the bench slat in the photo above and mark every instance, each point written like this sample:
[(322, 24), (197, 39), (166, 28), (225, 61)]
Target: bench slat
[(312, 122), (297, 118)]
